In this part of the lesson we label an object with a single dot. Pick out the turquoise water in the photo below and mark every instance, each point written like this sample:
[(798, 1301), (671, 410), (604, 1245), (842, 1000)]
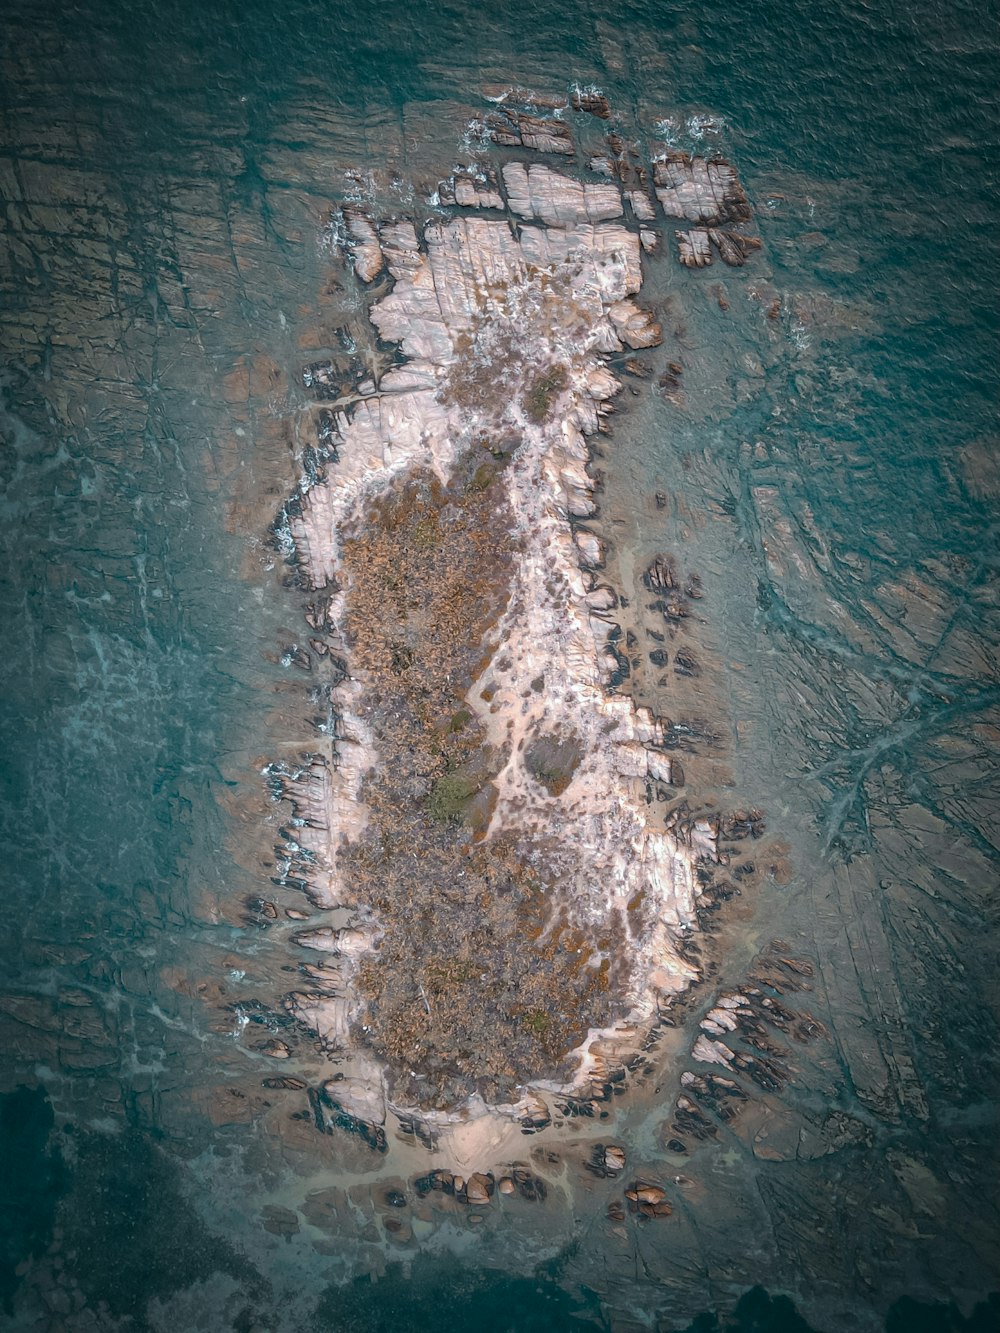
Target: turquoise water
[(167, 170)]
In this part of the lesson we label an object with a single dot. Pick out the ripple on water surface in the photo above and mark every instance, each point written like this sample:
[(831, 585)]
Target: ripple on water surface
[(826, 466)]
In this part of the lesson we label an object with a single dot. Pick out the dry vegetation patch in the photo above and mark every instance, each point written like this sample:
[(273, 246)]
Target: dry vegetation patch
[(552, 761), (470, 985)]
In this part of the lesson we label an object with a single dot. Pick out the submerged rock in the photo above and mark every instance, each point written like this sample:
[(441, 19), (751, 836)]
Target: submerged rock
[(614, 1158), (277, 1050), (364, 245), (596, 104), (518, 129)]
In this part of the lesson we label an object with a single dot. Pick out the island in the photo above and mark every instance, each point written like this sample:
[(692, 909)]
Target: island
[(500, 885)]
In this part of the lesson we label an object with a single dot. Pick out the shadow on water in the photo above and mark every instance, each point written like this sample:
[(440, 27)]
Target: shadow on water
[(135, 1237), (436, 1294), (32, 1180), (910, 1316), (433, 1296), (757, 1312), (111, 1202)]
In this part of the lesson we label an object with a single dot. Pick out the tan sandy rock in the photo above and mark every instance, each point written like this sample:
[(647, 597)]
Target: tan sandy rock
[(363, 244), (699, 190), (614, 1158), (478, 1189), (694, 247), (536, 191)]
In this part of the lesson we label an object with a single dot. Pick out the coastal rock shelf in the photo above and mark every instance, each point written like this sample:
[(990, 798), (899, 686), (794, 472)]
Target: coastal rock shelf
[(499, 905)]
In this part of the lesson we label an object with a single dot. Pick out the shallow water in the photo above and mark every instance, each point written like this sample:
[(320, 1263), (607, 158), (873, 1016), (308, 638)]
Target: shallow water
[(831, 475)]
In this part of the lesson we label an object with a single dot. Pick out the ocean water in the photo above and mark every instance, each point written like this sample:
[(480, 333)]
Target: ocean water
[(168, 173)]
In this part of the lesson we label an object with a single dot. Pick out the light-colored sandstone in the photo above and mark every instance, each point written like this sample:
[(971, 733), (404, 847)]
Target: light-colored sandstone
[(536, 191), (699, 190), (363, 244), (614, 1158), (694, 247)]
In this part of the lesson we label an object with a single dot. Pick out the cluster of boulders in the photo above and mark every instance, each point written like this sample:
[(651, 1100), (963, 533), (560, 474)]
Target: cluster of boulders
[(674, 597), (737, 1035), (648, 1199), (517, 129), (707, 192), (607, 1160), (481, 1187), (644, 1199), (471, 189)]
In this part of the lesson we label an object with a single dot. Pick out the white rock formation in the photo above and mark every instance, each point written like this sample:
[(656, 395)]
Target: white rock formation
[(694, 247), (536, 191)]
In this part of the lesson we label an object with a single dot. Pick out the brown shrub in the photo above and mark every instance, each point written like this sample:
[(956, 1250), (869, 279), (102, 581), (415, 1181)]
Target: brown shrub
[(467, 988)]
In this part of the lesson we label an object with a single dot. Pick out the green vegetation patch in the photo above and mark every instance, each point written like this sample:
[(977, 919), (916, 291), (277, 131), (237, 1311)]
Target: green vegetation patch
[(482, 478), (537, 1021), (460, 719), (451, 796)]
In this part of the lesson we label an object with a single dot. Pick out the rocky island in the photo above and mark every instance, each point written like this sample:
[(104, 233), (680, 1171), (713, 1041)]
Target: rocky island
[(499, 878)]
